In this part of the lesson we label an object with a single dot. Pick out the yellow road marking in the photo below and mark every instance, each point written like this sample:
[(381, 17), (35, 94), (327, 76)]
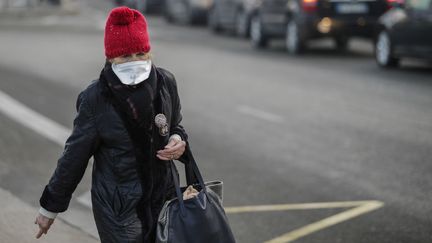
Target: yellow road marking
[(300, 206), (360, 207)]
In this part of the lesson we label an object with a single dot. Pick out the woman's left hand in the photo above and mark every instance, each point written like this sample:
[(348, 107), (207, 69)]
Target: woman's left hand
[(173, 150)]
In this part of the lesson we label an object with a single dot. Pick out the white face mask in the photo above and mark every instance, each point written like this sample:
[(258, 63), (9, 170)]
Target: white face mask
[(131, 73)]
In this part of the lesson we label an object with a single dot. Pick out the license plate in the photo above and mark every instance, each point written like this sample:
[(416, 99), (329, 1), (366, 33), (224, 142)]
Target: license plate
[(352, 8), (273, 18)]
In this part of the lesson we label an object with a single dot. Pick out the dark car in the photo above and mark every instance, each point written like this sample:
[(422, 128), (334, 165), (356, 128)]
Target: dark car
[(268, 21), (299, 21), (405, 32), (145, 6), (232, 15), (187, 11)]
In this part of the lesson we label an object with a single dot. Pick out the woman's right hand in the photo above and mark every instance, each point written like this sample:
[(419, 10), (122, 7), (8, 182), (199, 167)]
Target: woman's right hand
[(44, 224)]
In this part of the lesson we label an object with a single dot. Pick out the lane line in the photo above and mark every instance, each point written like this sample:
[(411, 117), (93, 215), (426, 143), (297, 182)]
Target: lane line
[(260, 114), (85, 199), (358, 208), (58, 134), (33, 120), (300, 206), (327, 222)]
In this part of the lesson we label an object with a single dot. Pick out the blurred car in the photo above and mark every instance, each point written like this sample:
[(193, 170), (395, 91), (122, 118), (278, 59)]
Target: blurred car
[(144, 6), (299, 21), (405, 32), (232, 15), (187, 11), (268, 21)]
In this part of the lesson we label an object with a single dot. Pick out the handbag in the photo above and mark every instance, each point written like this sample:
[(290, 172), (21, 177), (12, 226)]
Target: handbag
[(196, 220)]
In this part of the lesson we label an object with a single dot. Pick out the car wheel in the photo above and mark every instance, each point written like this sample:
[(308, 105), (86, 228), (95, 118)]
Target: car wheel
[(241, 24), (383, 51), (341, 43), (257, 36), (212, 21), (167, 12), (192, 17), (293, 41)]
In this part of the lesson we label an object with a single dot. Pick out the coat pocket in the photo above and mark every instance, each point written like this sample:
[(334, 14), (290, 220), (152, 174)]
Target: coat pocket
[(126, 199), (117, 203)]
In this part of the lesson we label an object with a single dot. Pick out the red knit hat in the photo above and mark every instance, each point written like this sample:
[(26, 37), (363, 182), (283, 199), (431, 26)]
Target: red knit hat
[(125, 33)]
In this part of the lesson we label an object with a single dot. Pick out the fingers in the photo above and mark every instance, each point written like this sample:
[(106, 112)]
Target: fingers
[(172, 156), (42, 230), (173, 150), (163, 157), (44, 225), (39, 234), (171, 143), (177, 148), (169, 156)]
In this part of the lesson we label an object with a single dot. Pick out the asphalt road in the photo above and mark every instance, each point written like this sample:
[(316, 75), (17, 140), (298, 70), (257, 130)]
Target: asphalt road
[(324, 127)]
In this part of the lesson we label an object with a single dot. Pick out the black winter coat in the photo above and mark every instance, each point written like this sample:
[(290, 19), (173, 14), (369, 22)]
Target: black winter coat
[(116, 189)]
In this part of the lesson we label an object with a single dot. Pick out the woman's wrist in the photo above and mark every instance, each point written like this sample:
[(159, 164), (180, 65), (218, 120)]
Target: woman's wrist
[(47, 213), (176, 137)]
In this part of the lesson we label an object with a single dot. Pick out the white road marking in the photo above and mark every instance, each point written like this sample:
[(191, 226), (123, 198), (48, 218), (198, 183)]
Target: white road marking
[(260, 114), (33, 120), (85, 199), (57, 134)]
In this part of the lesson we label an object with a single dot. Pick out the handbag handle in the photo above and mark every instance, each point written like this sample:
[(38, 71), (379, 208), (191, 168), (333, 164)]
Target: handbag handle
[(196, 173)]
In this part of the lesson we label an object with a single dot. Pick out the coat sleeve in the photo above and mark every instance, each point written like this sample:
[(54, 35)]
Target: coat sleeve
[(176, 118), (72, 164), (177, 128)]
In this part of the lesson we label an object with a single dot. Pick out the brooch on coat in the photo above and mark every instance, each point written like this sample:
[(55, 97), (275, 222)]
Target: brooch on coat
[(161, 123)]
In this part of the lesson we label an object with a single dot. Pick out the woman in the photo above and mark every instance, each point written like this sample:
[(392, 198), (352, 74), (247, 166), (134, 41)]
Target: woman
[(129, 120)]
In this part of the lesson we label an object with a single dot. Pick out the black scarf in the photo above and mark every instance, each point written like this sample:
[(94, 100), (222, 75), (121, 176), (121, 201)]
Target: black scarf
[(137, 106)]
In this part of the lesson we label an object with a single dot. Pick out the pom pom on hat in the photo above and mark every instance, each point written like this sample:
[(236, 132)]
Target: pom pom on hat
[(125, 33), (122, 16)]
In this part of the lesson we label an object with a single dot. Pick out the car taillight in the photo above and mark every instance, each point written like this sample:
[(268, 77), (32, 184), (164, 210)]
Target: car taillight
[(394, 3), (309, 5)]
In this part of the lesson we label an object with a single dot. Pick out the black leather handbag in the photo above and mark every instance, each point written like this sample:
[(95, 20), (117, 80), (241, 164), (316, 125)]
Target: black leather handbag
[(200, 219)]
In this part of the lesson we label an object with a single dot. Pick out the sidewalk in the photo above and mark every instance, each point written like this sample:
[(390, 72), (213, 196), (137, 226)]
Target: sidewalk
[(17, 224)]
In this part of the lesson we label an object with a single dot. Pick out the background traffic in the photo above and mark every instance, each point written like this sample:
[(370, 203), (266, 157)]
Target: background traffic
[(398, 28), (296, 139)]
